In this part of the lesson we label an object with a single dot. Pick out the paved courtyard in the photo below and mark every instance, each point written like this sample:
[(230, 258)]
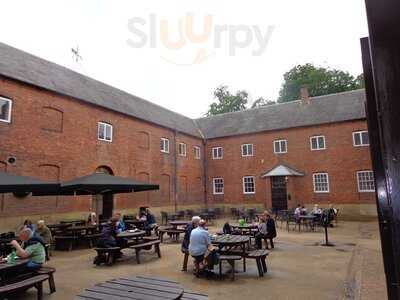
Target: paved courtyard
[(298, 268)]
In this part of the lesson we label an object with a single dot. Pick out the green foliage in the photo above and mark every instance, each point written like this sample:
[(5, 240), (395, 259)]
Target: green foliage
[(319, 81), (260, 102), (227, 102)]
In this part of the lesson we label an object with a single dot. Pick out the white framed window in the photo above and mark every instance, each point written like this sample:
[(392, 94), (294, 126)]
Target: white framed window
[(360, 138), (321, 182), (217, 153), (182, 149), (365, 181), (280, 146), (249, 186), (105, 132), (317, 142), (164, 145), (218, 186), (196, 150), (247, 150), (5, 110)]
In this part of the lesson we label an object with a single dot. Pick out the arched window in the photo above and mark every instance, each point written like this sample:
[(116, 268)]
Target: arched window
[(105, 170)]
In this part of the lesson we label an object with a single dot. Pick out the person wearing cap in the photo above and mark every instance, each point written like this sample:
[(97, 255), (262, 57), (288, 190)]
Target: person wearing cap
[(186, 240)]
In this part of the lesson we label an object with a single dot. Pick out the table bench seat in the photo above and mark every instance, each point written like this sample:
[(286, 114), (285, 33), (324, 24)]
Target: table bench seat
[(35, 281), (231, 260), (50, 272), (106, 255), (170, 231), (146, 246), (260, 257)]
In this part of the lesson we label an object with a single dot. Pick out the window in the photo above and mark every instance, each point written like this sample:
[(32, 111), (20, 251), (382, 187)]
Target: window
[(249, 185), (217, 153), (365, 181), (105, 132), (196, 152), (321, 183), (5, 110), (218, 186), (164, 145), (280, 146), (318, 142), (247, 150), (360, 138), (182, 149)]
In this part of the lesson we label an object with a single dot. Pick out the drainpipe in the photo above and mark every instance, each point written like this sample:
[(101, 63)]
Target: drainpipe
[(205, 172), (175, 180)]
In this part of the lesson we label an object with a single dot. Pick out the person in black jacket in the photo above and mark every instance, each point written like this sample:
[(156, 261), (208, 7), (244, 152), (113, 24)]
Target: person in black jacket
[(271, 230), (186, 240)]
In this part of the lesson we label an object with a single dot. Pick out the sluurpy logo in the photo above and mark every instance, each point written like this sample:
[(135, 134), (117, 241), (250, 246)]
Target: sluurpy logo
[(179, 44)]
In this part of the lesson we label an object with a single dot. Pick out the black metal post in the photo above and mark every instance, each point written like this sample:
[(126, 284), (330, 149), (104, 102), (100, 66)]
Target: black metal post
[(381, 60)]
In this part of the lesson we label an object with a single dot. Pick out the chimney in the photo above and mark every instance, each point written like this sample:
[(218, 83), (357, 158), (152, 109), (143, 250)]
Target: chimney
[(305, 95)]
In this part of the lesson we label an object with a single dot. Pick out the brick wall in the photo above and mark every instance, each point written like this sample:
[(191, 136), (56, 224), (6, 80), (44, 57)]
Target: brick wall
[(341, 160), (55, 137)]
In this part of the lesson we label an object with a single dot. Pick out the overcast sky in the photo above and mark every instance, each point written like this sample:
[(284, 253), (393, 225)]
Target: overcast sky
[(243, 44)]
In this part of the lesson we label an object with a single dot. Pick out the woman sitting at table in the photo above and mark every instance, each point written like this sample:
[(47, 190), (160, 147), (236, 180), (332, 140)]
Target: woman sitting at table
[(266, 230), (109, 232)]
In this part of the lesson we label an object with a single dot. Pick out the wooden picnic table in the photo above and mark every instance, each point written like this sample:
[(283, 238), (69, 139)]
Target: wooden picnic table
[(6, 268), (176, 224), (248, 229), (136, 223), (138, 288), (89, 229), (227, 243), (131, 234)]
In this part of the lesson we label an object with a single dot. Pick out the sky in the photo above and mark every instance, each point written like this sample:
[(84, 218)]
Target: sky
[(175, 53)]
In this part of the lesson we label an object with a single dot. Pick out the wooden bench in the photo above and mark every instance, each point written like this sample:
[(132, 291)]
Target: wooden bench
[(260, 256), (65, 241), (50, 272), (146, 246), (106, 255), (189, 295), (92, 239), (35, 281), (170, 231), (231, 260)]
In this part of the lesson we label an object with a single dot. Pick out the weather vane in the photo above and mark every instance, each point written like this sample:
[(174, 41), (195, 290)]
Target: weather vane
[(76, 54)]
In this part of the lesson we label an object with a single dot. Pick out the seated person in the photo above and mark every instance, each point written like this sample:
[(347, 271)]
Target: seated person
[(43, 232), (28, 224), (109, 233), (186, 239), (92, 219), (297, 212), (227, 229), (316, 210), (33, 249), (150, 221), (120, 222), (303, 211), (262, 232), (200, 246)]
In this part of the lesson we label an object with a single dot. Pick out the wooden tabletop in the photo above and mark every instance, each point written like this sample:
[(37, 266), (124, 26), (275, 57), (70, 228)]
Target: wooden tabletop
[(18, 263), (247, 226), (134, 234), (227, 239), (81, 227), (138, 288), (179, 223)]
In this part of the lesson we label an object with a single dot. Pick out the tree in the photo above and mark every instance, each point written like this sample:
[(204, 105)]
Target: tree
[(227, 102), (319, 81), (260, 102)]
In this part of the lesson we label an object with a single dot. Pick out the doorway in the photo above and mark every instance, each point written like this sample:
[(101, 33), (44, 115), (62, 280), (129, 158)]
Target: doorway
[(279, 193), (104, 204)]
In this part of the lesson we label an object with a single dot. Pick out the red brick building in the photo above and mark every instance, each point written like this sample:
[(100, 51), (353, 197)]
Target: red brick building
[(57, 124)]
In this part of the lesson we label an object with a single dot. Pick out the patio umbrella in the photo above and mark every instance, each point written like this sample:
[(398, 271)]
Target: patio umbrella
[(101, 183), (10, 183)]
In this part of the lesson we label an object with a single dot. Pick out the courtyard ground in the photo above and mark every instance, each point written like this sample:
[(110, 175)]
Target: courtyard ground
[(298, 268)]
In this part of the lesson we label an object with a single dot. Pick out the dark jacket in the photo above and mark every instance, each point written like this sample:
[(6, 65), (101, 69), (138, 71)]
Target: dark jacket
[(271, 229), (186, 238)]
